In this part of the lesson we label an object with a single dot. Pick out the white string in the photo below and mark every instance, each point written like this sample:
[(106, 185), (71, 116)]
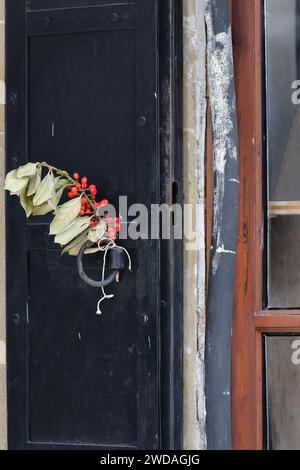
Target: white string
[(111, 244)]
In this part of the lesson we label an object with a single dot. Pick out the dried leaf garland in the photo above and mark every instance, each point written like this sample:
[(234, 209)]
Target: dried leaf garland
[(72, 225)]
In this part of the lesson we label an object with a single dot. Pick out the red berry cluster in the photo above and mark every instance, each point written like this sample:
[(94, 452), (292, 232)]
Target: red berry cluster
[(113, 227), (86, 208), (78, 187), (89, 205)]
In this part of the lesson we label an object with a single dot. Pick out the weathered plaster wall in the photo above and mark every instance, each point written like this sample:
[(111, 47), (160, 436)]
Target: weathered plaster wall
[(3, 427), (194, 189)]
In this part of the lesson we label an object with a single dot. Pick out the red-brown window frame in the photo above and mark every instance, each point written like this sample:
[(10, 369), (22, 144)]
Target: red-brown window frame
[(251, 320)]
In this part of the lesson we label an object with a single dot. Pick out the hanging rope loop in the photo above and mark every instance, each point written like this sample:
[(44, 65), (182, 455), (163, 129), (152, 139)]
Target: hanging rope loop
[(117, 263)]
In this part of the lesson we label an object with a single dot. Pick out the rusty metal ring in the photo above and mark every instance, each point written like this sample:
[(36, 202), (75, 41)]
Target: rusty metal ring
[(86, 278)]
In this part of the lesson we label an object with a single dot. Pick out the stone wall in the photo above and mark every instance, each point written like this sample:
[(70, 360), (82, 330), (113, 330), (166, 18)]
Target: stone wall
[(194, 82)]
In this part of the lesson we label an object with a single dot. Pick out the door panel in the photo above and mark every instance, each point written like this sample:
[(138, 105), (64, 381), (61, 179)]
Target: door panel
[(82, 373), (82, 92), (77, 85), (60, 4)]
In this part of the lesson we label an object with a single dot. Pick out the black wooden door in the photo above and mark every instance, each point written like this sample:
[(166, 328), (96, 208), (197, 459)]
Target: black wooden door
[(83, 93)]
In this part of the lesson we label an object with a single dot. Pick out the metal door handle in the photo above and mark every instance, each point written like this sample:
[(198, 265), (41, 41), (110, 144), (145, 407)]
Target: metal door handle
[(116, 262)]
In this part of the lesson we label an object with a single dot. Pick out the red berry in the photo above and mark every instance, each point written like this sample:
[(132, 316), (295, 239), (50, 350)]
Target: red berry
[(78, 185), (93, 189), (74, 190), (70, 195), (76, 176), (69, 187), (82, 212), (93, 198), (117, 228), (88, 206), (84, 180), (84, 185), (104, 202), (88, 211), (83, 200)]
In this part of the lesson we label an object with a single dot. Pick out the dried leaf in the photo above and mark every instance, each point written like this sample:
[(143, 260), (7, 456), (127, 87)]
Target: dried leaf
[(14, 184), (49, 206), (82, 238), (53, 203), (27, 170), (74, 251), (73, 230), (61, 183), (45, 190), (95, 234), (43, 209), (34, 182), (65, 215), (26, 203)]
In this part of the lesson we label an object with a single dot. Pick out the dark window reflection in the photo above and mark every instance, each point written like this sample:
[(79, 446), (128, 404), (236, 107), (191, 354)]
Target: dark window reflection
[(282, 26), (282, 382)]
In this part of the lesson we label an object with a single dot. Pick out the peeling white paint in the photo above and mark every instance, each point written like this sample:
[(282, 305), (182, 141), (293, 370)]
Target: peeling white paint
[(145, 317), (222, 250), (219, 49)]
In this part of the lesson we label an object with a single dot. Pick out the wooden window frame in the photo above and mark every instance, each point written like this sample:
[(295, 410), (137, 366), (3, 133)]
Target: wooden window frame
[(251, 319)]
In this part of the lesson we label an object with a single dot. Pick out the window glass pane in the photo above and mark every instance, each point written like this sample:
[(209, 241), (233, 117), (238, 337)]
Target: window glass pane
[(282, 45), (282, 356)]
